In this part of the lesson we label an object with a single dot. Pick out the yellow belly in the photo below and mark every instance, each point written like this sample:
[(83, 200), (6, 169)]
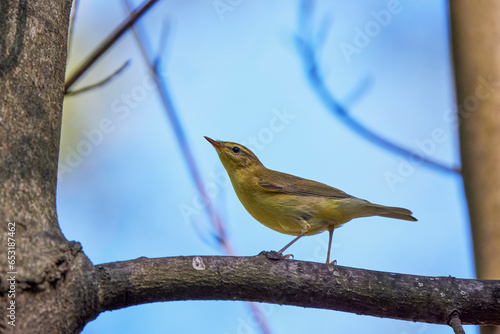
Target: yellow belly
[(285, 212)]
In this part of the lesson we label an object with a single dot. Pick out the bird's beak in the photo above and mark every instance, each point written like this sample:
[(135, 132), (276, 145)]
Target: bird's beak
[(215, 143)]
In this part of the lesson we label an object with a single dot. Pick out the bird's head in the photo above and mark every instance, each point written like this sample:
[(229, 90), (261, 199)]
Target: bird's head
[(234, 156)]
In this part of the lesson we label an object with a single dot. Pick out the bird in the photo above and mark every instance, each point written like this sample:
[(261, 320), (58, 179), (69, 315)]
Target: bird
[(290, 204)]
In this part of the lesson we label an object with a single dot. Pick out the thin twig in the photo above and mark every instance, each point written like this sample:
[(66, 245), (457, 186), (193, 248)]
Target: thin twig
[(163, 44), (356, 93), (180, 134), (456, 323), (107, 43), (153, 66), (72, 21), (100, 83), (313, 74)]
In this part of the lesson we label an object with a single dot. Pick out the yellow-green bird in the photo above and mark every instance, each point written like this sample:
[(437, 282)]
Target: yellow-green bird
[(292, 205)]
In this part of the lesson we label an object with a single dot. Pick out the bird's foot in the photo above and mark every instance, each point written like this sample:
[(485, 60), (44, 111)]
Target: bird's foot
[(288, 256)]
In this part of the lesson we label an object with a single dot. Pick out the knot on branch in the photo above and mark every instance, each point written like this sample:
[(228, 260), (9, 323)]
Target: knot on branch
[(272, 255)]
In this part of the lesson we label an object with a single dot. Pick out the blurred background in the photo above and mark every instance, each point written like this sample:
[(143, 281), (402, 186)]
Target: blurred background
[(234, 73)]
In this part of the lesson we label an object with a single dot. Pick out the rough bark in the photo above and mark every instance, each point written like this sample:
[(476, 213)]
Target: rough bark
[(47, 268), (269, 278), (476, 52)]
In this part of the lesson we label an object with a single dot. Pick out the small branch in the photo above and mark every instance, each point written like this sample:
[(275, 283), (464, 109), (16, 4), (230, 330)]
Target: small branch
[(72, 22), (456, 323), (313, 73), (179, 131), (107, 43), (261, 278), (163, 43), (100, 83)]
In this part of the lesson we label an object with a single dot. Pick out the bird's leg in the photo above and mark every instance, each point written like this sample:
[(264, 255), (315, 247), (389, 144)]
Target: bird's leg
[(306, 226), (330, 231), (291, 242)]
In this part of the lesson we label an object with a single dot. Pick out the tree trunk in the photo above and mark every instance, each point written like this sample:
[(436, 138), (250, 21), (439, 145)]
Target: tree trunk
[(476, 49), (37, 290)]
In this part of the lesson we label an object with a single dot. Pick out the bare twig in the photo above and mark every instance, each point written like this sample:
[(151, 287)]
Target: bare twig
[(180, 134), (307, 54), (100, 83), (356, 93), (163, 44), (107, 43), (456, 323), (72, 21)]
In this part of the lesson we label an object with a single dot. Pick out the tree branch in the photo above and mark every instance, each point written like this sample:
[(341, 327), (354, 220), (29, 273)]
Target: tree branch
[(456, 323), (269, 278), (172, 113), (107, 43), (307, 53), (71, 29), (100, 83)]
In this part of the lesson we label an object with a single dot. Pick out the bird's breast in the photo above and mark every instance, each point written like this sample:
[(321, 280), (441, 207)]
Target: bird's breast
[(283, 212)]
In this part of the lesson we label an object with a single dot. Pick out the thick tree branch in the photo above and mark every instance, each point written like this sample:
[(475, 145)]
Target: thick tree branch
[(271, 279)]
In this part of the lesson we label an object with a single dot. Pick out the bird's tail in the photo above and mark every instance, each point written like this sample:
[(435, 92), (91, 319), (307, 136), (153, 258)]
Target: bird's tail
[(392, 212)]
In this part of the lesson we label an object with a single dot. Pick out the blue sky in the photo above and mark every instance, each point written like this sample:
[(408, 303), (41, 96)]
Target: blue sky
[(235, 75)]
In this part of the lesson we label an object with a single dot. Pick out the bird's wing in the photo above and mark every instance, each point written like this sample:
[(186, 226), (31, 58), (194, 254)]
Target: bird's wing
[(290, 184)]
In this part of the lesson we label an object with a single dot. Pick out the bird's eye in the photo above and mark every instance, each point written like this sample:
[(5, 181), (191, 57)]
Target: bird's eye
[(236, 149)]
